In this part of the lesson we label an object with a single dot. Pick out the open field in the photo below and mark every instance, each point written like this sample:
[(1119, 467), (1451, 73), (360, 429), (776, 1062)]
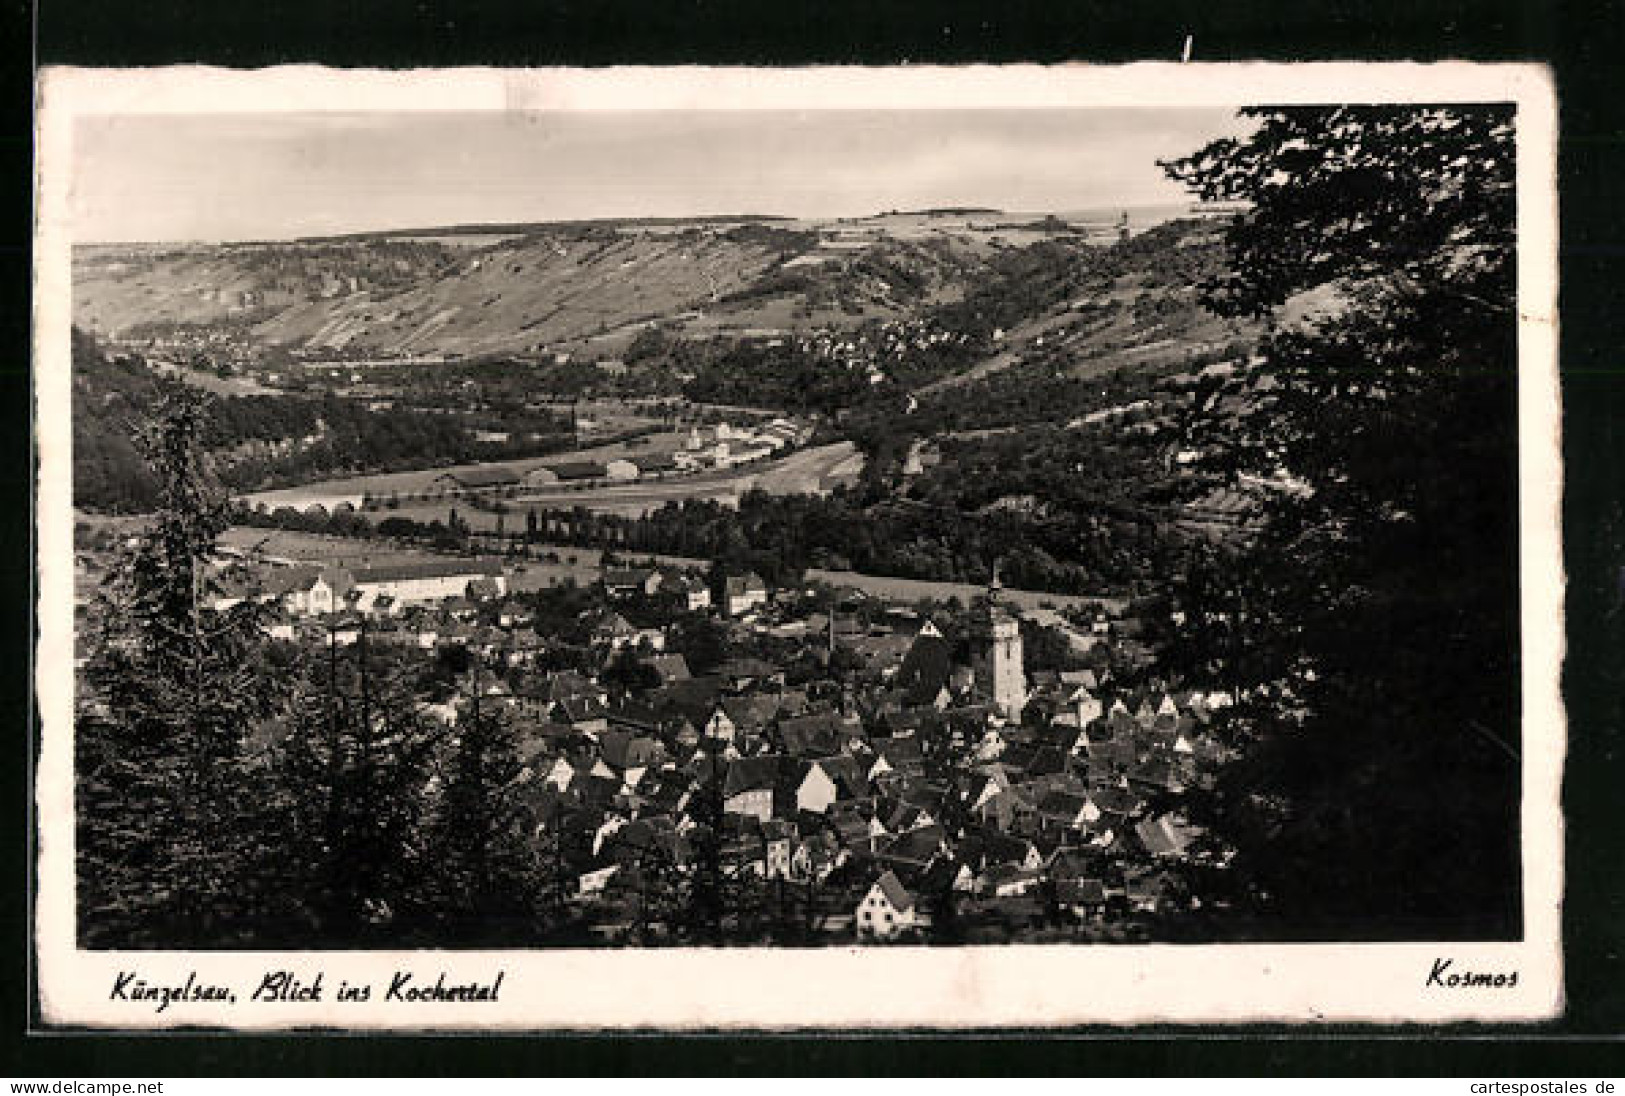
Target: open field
[(282, 546), (583, 566), (212, 383), (351, 488), (808, 471), (580, 565)]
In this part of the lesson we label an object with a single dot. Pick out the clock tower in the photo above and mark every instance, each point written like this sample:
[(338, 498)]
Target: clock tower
[(996, 654)]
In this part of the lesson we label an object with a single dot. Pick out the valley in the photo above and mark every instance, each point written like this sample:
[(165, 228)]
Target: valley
[(476, 379)]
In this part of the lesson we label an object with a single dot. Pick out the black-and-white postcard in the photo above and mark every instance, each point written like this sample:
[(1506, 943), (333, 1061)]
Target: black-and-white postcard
[(791, 549)]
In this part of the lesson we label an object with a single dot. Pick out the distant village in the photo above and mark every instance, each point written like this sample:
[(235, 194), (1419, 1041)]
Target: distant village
[(905, 762)]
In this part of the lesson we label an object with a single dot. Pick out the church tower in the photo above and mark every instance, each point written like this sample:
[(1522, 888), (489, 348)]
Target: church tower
[(996, 655)]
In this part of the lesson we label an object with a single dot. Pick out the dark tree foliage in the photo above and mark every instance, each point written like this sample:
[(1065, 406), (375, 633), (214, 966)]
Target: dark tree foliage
[(1069, 512), (484, 867), (653, 902), (701, 640), (948, 753), (111, 396), (783, 377), (268, 440), (1370, 630), (706, 901), (628, 673), (353, 768), (169, 847), (233, 794)]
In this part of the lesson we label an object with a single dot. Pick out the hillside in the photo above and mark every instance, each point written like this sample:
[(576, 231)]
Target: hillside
[(578, 289), (390, 298), (565, 290)]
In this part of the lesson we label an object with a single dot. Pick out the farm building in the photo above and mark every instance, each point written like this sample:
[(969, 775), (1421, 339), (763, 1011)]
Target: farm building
[(304, 590), (785, 430), (424, 581), (482, 478), (654, 464), (728, 459), (579, 471), (628, 581)]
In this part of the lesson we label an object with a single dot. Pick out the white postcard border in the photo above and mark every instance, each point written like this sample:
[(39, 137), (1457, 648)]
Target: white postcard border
[(834, 987)]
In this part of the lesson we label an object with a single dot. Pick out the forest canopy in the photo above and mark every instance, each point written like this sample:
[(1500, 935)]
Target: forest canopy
[(1371, 629)]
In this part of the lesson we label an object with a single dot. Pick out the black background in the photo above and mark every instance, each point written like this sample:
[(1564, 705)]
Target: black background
[(1581, 41)]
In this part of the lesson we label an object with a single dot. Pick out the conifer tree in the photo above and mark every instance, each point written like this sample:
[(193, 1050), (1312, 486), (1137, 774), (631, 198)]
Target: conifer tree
[(486, 878), (558, 846), (703, 916), (657, 897), (168, 836), (948, 755), (355, 768)]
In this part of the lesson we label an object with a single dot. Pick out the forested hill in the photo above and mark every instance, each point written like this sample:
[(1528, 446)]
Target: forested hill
[(259, 440)]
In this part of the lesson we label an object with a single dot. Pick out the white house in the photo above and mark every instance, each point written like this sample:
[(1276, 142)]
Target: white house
[(777, 858), (560, 774), (313, 596), (742, 593), (720, 726), (748, 787), (693, 592), (886, 910), (1087, 706), (817, 790)]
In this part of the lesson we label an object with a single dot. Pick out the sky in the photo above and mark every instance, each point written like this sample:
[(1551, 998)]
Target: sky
[(280, 175)]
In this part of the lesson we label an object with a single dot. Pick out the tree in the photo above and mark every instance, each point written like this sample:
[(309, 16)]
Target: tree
[(484, 877), (169, 839), (657, 892), (627, 672), (1371, 628), (702, 641), (707, 898), (948, 753), (354, 769)]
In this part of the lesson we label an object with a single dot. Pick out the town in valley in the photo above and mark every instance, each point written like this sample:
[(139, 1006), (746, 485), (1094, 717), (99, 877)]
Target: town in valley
[(683, 580)]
